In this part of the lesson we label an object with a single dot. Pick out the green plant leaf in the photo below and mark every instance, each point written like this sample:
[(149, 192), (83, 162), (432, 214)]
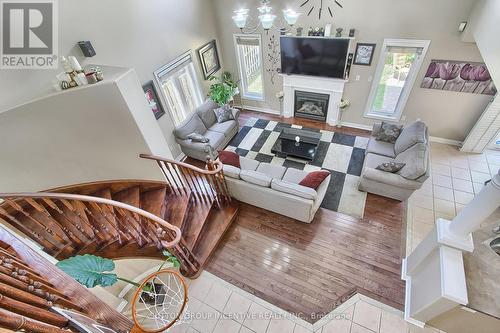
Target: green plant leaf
[(90, 270)]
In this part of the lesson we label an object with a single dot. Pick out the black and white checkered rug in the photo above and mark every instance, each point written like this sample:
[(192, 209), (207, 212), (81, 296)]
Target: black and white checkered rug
[(343, 155)]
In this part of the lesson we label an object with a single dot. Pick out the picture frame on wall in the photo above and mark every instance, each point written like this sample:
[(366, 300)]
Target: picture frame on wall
[(364, 54), (153, 100), (209, 59)]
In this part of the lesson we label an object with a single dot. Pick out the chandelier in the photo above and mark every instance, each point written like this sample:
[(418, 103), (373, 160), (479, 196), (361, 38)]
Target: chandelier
[(266, 18)]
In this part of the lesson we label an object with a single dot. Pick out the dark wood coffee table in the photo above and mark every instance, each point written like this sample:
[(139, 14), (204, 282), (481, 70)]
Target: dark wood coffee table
[(306, 148)]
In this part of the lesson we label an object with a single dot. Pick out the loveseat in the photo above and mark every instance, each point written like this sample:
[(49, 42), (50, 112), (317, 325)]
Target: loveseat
[(411, 148), (275, 188), (203, 121)]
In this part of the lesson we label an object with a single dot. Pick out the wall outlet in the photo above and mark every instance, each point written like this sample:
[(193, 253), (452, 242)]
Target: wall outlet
[(358, 77), (370, 78)]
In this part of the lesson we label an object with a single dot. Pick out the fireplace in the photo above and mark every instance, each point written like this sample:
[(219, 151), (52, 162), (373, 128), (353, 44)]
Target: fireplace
[(311, 105)]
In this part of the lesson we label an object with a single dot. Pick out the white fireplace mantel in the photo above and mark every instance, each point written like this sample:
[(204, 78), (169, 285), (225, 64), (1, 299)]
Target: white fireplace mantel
[(332, 87)]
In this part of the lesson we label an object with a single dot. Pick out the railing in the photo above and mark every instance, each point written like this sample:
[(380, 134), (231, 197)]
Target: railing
[(183, 179), (65, 223)]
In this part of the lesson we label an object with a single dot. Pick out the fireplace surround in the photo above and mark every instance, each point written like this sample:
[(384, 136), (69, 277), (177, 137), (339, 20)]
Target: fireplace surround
[(334, 88)]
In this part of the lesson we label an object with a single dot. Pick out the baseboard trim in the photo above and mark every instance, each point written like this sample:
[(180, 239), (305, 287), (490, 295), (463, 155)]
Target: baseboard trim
[(356, 125), (257, 109), (445, 141)]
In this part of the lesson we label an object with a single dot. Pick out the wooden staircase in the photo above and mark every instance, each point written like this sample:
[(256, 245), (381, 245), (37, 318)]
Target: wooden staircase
[(123, 218)]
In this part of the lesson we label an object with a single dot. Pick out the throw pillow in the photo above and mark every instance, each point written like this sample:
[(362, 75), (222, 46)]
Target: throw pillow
[(195, 137), (223, 114), (391, 167), (388, 132), (314, 179), (230, 158)]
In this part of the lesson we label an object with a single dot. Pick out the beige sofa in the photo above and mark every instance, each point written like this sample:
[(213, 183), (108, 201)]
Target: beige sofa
[(412, 148), (275, 188), (204, 122)]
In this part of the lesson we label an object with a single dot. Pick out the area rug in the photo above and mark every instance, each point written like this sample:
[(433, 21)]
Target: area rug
[(342, 154)]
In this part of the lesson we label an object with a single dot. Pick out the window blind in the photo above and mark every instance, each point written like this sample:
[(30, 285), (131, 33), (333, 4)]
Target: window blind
[(247, 41), (404, 50)]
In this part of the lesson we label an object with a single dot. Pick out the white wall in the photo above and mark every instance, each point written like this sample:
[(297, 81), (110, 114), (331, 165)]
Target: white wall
[(140, 34), (449, 114), (81, 135)]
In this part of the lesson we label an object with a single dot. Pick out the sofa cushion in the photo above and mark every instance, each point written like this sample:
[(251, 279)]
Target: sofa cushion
[(223, 114), (225, 127), (229, 158), (412, 134), (255, 177), (295, 176), (215, 138), (380, 148), (248, 163), (388, 132), (231, 171), (294, 189), (391, 167), (272, 170), (416, 160), (206, 112), (374, 160), (314, 179), (195, 137), (192, 124)]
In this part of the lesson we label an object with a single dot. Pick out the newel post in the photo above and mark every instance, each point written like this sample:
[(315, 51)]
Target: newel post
[(434, 272)]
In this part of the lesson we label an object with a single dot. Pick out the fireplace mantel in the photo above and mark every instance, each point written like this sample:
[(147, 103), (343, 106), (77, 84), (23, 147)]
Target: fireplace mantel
[(333, 87)]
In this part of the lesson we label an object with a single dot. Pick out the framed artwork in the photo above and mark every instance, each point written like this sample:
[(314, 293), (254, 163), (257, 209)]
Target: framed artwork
[(153, 101), (209, 59), (459, 76), (82, 323), (364, 54)]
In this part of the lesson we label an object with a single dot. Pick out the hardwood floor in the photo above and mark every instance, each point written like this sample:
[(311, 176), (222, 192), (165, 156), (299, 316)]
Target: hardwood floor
[(309, 269)]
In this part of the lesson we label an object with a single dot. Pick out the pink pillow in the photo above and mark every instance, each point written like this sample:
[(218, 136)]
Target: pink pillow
[(229, 158), (314, 179)]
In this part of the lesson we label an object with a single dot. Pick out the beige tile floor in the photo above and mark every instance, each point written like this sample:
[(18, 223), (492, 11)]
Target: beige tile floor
[(455, 178), (216, 306)]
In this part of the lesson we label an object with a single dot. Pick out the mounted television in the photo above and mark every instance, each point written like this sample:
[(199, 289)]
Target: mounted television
[(315, 56)]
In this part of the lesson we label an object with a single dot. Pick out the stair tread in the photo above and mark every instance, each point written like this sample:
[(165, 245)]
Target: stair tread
[(218, 223), (196, 218), (176, 209), (153, 201)]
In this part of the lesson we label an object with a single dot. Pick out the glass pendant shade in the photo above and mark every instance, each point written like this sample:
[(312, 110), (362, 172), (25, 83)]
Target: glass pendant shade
[(267, 21), (291, 16), (240, 20)]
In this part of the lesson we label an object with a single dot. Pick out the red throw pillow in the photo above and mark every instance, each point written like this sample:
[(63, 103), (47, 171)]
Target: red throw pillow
[(230, 158), (314, 179)]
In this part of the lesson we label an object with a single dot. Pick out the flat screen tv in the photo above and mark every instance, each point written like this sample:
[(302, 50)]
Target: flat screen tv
[(315, 56)]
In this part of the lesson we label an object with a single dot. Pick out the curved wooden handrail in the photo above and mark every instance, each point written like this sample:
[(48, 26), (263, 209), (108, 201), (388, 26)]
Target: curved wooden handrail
[(217, 164), (98, 200)]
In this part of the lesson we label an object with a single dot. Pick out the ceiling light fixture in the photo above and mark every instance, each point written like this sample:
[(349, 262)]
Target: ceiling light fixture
[(266, 18)]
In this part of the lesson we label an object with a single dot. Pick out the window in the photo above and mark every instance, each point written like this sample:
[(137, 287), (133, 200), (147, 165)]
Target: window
[(180, 87), (397, 69), (249, 54)]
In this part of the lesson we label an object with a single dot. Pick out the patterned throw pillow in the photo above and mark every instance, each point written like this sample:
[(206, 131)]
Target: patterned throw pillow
[(223, 114), (391, 167), (195, 137), (314, 179), (229, 158), (388, 132)]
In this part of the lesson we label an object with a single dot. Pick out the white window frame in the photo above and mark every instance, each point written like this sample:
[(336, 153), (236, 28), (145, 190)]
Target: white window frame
[(410, 81), (182, 60), (243, 83)]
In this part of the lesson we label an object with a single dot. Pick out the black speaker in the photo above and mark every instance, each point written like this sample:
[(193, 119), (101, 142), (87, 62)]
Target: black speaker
[(87, 48)]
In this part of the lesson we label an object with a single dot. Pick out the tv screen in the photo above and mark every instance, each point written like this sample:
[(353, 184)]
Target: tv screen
[(316, 56)]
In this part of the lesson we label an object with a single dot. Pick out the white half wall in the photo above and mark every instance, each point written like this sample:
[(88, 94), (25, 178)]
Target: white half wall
[(84, 134)]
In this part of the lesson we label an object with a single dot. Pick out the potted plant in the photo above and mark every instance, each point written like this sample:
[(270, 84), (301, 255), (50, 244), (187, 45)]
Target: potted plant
[(92, 271), (223, 91)]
